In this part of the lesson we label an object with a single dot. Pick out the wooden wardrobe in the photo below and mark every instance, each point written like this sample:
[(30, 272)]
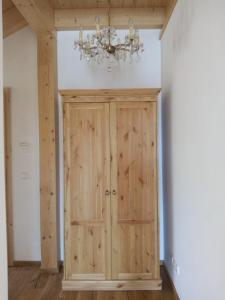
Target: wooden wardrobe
[(110, 175)]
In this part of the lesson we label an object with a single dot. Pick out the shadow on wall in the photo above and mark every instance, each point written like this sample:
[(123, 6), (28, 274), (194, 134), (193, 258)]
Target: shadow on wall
[(182, 26), (167, 176), (181, 32)]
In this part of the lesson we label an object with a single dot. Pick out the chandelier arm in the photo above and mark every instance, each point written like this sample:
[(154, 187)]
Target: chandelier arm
[(100, 42), (90, 48), (123, 49), (136, 49), (118, 47), (124, 45)]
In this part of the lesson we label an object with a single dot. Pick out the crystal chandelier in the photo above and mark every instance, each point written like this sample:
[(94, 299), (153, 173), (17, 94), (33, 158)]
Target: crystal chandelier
[(104, 46)]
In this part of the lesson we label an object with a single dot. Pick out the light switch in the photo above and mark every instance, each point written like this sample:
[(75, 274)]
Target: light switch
[(24, 175), (25, 147)]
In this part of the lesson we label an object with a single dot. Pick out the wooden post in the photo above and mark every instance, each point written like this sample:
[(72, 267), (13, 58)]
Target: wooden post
[(40, 16), (47, 88)]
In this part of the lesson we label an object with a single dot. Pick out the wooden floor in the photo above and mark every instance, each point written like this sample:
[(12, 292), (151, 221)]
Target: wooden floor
[(28, 283)]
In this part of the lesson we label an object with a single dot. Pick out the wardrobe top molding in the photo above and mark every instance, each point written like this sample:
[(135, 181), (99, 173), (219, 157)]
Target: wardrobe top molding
[(110, 95), (75, 95)]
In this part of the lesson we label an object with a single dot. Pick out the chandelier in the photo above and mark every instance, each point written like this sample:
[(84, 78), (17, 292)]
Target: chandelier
[(105, 45)]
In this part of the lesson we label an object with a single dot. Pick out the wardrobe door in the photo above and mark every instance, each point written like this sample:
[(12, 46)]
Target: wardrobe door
[(87, 196), (134, 191)]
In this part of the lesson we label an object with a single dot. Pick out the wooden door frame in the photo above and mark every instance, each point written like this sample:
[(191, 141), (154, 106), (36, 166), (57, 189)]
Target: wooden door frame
[(106, 217), (117, 221)]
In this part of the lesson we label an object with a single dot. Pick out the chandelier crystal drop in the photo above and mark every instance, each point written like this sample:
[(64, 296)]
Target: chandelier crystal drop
[(104, 46)]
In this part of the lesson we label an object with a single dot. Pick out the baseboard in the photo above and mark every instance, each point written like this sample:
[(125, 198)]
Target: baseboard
[(26, 263), (170, 279), (34, 263), (49, 270), (111, 285)]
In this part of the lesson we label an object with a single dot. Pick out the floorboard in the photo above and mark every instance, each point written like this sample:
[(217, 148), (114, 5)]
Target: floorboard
[(29, 283)]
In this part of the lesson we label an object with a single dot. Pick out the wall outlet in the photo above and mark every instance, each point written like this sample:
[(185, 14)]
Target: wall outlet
[(177, 269), (172, 261), (24, 175), (175, 266)]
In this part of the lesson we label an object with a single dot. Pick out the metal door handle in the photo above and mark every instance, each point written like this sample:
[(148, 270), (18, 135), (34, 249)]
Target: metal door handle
[(114, 192), (107, 192)]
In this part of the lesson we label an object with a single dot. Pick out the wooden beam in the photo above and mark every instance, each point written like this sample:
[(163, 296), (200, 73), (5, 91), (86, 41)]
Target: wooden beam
[(12, 21), (8, 175), (47, 95), (70, 19), (38, 14), (168, 13)]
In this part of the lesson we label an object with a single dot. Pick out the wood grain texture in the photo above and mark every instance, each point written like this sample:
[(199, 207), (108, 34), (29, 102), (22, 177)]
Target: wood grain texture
[(49, 15), (38, 14), (47, 86), (12, 21), (134, 180), (111, 92), (105, 3), (87, 178), (113, 285), (26, 263), (8, 175), (108, 99), (7, 4), (110, 146), (28, 283), (144, 18)]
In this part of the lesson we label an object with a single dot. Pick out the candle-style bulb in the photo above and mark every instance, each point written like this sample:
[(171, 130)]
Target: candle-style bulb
[(97, 21), (131, 29), (81, 35)]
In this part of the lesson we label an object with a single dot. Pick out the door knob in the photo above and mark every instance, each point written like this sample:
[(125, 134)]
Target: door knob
[(114, 192), (107, 192)]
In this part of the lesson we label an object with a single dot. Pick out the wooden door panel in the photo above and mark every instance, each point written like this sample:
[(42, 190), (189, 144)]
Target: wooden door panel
[(134, 202), (87, 177), (88, 252)]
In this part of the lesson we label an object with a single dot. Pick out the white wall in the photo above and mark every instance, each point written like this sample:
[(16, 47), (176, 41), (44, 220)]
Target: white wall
[(193, 69), (20, 74), (73, 73), (3, 250), (20, 71)]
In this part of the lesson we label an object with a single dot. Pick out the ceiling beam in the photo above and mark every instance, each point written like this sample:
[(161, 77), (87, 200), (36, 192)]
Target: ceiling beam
[(12, 21), (144, 18), (38, 14)]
